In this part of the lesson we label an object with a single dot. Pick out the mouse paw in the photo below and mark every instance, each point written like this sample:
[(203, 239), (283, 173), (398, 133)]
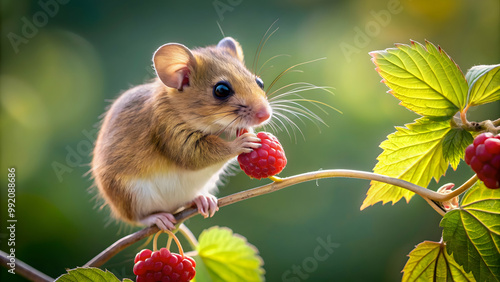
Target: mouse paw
[(206, 204), (246, 143), (164, 221)]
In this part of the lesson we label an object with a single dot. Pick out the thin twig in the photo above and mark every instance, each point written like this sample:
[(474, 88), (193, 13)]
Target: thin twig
[(461, 189), (487, 125), (428, 195), (121, 244), (25, 270), (435, 206)]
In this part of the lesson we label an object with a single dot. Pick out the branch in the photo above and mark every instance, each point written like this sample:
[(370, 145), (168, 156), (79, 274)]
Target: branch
[(430, 196), (25, 270), (487, 125)]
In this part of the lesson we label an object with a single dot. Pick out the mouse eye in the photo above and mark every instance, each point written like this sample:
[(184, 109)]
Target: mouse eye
[(222, 90), (260, 83)]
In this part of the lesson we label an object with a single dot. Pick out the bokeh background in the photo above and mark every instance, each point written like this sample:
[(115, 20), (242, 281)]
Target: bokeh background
[(61, 70)]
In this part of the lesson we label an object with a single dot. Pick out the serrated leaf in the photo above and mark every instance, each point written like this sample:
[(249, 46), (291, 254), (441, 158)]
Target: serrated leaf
[(413, 153), (472, 233), (484, 84), (90, 274), (454, 144), (425, 79), (228, 256), (429, 261)]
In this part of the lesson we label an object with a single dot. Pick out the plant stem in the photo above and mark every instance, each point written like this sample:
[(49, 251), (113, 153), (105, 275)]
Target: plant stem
[(188, 235), (462, 188), (121, 244), (486, 125), (25, 270), (435, 206), (463, 116), (428, 195)]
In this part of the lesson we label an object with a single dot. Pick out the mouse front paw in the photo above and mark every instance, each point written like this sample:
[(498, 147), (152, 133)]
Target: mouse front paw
[(246, 143), (206, 204)]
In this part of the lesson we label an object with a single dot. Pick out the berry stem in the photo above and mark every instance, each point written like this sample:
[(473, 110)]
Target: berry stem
[(275, 178), (188, 235), (172, 235), (169, 242), (155, 239)]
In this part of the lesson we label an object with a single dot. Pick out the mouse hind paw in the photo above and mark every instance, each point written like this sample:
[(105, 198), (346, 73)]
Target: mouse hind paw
[(164, 221)]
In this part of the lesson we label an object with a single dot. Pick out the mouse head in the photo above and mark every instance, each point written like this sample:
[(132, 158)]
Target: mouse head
[(212, 87)]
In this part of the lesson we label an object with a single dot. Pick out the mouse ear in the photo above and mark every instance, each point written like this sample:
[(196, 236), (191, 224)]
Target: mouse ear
[(232, 47), (172, 63)]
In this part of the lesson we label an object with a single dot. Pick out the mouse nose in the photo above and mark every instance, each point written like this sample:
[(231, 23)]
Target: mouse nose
[(263, 114)]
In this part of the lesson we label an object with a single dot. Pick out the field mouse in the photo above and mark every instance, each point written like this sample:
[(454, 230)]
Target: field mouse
[(159, 146)]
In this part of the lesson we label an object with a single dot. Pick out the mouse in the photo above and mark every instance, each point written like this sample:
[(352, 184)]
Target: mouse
[(159, 148)]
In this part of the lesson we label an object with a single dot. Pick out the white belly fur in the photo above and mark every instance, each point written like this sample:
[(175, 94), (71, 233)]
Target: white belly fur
[(168, 191)]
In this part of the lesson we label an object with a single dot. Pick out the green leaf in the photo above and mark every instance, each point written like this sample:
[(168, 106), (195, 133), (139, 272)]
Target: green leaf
[(484, 84), (228, 256), (472, 233), (413, 153), (425, 79), (90, 274), (429, 261), (454, 144), (202, 274)]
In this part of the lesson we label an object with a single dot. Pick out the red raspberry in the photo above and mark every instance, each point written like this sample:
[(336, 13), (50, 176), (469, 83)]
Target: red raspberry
[(163, 266), (265, 161), (483, 156)]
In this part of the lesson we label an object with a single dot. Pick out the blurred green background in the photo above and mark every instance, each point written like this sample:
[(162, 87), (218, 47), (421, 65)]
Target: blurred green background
[(61, 67)]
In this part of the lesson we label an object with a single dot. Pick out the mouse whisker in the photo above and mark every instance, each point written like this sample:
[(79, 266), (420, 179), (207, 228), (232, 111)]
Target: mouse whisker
[(274, 127), (227, 128), (293, 126), (211, 115), (260, 71), (288, 70), (262, 42), (300, 114), (304, 87), (207, 128)]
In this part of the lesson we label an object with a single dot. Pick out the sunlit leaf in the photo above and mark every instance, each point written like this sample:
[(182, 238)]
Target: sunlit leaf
[(484, 84), (228, 256), (454, 144), (424, 78), (413, 153), (202, 274), (429, 261), (472, 233), (90, 274)]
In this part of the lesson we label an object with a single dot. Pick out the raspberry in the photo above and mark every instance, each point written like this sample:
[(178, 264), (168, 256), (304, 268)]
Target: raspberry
[(162, 265), (265, 161), (483, 156)]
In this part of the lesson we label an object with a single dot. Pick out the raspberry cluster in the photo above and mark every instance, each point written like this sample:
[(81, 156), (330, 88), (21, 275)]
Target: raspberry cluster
[(265, 161), (163, 266), (483, 156)]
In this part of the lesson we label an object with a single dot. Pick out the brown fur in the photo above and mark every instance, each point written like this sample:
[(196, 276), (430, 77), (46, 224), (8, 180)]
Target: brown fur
[(153, 128)]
